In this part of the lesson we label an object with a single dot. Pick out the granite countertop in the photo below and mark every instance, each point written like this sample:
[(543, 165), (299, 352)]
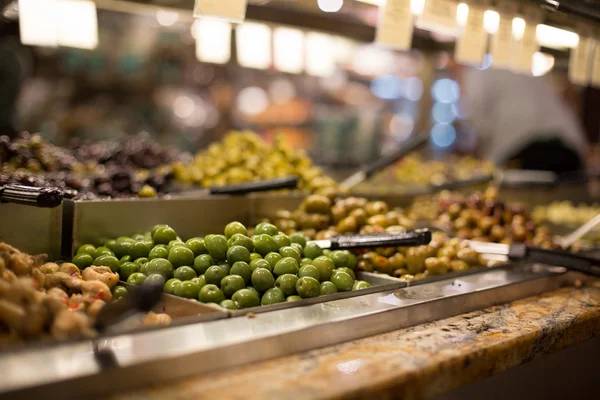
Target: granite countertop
[(412, 363)]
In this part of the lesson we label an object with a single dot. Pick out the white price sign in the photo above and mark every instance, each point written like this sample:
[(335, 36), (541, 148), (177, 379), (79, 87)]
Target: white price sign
[(472, 43), (395, 27), (580, 61), (230, 10), (439, 15)]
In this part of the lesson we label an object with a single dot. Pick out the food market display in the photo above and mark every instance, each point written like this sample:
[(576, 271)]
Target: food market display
[(53, 300), (240, 269), (322, 218), (414, 170), (244, 157), (139, 167)]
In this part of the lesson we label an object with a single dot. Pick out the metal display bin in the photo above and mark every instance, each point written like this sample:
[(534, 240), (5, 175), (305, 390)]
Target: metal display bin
[(95, 221), (31, 229)]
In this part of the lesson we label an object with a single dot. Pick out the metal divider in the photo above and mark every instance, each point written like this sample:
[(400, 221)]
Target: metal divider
[(31, 229)]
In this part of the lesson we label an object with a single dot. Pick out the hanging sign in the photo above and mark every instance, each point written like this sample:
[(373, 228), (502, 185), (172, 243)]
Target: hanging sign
[(395, 28), (230, 10)]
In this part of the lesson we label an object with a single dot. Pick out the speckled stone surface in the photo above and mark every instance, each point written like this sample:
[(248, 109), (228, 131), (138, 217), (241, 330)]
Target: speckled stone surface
[(412, 363)]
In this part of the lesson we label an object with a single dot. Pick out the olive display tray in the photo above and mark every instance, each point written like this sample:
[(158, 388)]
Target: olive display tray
[(97, 220), (378, 284), (452, 275), (182, 311), (76, 370)]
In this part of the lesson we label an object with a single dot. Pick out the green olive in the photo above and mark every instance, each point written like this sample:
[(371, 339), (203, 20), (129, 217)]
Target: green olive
[(260, 263), (327, 287), (266, 228), (308, 287), (171, 285), (202, 263), (308, 270), (272, 296), (281, 241), (359, 285), (264, 244), (242, 269), (287, 265), (197, 245), (235, 227), (262, 280), (217, 246), (239, 239)]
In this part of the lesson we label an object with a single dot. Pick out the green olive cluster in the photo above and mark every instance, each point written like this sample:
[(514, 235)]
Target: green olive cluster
[(245, 157), (235, 270)]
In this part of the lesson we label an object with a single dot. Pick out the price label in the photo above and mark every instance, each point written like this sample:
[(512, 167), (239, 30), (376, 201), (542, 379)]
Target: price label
[(395, 27), (230, 10), (439, 15), (503, 44), (526, 47), (580, 62), (472, 43), (596, 65)]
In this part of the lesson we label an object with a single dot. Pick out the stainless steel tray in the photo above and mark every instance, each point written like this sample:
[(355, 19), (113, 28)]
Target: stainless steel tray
[(31, 229), (378, 284), (75, 370), (96, 221), (183, 310)]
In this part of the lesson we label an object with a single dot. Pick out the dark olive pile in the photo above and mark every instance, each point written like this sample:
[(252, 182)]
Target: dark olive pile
[(235, 270), (32, 153), (485, 217), (138, 152), (130, 167)]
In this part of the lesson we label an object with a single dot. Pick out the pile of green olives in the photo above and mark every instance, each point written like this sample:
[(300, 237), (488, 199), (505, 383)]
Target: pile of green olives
[(235, 270), (245, 157), (440, 256)]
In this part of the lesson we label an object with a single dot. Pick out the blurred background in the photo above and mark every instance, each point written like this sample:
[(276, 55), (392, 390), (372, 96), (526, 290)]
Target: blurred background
[(306, 69)]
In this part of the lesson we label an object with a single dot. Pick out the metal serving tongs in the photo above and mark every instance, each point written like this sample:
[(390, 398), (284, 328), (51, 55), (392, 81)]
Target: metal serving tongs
[(286, 182), (141, 300), (46, 197), (522, 252), (406, 147), (567, 241), (415, 237)]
